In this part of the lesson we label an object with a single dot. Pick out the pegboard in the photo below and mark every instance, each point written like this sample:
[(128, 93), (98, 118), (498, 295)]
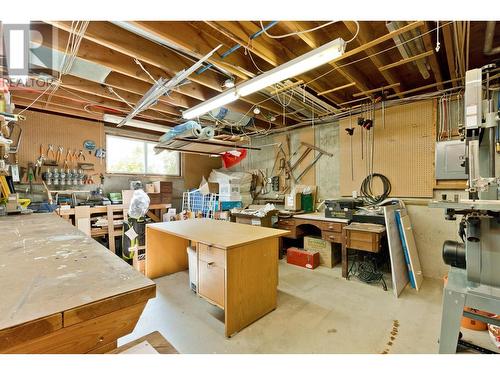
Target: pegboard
[(403, 150), (42, 128)]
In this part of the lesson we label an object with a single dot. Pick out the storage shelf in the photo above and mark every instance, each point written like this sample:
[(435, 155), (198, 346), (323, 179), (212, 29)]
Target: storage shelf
[(203, 146)]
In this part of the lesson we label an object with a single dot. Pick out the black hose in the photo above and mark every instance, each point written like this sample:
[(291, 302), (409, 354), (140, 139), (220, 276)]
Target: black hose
[(366, 189)]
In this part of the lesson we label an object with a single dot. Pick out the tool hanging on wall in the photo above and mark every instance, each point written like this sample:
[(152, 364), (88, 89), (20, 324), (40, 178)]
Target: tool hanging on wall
[(309, 148), (60, 150)]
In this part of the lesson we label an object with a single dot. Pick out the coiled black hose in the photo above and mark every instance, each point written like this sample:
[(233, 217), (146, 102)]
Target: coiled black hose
[(366, 189)]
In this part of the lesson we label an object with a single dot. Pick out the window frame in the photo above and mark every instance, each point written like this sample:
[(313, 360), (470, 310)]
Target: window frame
[(145, 145)]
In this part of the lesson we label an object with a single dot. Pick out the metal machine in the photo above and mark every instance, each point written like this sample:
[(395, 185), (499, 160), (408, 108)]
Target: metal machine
[(474, 276)]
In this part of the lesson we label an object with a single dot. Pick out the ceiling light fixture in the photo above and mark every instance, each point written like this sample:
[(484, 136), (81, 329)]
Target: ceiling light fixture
[(256, 110), (228, 83), (136, 123), (216, 102), (311, 60)]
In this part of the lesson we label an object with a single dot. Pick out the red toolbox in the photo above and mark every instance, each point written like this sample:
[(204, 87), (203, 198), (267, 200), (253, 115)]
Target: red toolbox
[(303, 258)]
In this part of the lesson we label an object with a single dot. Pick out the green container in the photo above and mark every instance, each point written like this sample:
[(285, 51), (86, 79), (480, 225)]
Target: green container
[(307, 202)]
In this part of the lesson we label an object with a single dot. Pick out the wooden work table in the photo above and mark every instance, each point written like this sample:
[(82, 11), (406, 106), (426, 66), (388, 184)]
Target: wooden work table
[(62, 292), (237, 264)]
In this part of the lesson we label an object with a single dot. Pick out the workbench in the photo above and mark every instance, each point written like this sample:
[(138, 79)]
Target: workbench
[(62, 292), (332, 230), (237, 264)]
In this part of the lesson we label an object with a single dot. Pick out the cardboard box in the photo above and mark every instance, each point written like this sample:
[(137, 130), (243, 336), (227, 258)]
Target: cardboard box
[(302, 258), (229, 189), (162, 186), (329, 255), (293, 201)]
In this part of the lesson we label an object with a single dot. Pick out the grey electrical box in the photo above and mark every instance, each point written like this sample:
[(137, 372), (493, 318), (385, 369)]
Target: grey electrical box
[(449, 157)]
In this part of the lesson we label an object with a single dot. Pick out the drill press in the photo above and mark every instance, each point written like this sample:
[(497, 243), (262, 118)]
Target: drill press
[(474, 276)]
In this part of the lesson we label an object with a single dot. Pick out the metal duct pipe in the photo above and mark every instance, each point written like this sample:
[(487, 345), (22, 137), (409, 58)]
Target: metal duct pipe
[(488, 39)]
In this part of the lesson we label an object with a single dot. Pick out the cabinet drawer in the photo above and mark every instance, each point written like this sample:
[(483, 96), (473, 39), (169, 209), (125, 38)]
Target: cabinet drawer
[(211, 280), (212, 255), (363, 236), (331, 227), (331, 236), (286, 222)]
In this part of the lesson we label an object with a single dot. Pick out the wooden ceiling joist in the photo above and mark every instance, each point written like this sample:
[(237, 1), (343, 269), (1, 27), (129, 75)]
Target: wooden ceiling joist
[(103, 37), (337, 88), (393, 86), (187, 37), (311, 39), (436, 70), (379, 60), (450, 52), (125, 66), (420, 56)]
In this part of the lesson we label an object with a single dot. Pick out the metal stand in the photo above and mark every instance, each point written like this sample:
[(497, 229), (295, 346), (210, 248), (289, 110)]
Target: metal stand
[(459, 293)]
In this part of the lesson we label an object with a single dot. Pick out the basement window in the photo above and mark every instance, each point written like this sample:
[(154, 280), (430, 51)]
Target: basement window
[(136, 156)]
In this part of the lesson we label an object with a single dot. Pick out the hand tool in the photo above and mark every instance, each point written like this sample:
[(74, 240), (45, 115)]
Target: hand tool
[(39, 162), (60, 150), (80, 155), (67, 160), (50, 151)]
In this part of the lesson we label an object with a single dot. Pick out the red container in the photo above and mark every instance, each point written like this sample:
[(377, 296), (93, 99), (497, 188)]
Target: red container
[(303, 258)]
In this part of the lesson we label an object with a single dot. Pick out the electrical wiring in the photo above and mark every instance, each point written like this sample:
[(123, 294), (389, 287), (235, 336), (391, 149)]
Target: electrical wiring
[(366, 189), (39, 96), (294, 33), (76, 34), (145, 70), (110, 89)]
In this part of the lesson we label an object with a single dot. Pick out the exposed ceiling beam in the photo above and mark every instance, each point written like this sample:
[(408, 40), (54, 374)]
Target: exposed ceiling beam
[(66, 110), (450, 52), (420, 56), (187, 37), (114, 37), (377, 59), (436, 69), (84, 106), (338, 88), (273, 53), (125, 66), (314, 41), (384, 88)]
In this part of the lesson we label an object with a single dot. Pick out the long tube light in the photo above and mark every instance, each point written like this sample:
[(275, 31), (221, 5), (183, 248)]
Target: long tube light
[(310, 60), (135, 123), (215, 102)]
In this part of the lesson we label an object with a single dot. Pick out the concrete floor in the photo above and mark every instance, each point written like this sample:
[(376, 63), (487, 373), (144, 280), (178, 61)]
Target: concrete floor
[(318, 312)]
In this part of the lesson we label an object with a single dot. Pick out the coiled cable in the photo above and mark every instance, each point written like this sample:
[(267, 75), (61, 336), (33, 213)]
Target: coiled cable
[(367, 192)]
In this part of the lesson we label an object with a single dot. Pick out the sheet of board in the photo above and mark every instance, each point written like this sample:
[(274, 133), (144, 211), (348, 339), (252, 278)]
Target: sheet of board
[(410, 248), (399, 271)]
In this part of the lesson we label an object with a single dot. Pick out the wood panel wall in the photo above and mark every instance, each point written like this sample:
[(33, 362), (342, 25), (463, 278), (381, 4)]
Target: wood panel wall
[(403, 152), (42, 128)]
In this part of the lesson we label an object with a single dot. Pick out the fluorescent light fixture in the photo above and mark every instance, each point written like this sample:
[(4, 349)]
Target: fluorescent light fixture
[(216, 102), (136, 123), (311, 60)]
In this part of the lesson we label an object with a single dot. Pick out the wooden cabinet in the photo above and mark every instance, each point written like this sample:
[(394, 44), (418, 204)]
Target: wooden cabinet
[(211, 273)]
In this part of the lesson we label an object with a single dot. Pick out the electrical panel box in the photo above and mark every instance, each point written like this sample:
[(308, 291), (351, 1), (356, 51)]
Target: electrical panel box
[(449, 157)]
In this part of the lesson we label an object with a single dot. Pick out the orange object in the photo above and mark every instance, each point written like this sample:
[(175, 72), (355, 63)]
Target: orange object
[(469, 323)]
